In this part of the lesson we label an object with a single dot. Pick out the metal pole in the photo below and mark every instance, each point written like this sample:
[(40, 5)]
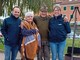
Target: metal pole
[(74, 33)]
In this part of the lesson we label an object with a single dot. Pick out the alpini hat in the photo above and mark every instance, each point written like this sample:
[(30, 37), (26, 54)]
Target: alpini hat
[(44, 8)]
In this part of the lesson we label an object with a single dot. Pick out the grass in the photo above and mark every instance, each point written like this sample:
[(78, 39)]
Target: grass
[(68, 44), (1, 44)]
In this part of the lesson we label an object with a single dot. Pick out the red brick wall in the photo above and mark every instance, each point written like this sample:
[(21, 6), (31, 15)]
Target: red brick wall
[(68, 5), (68, 11)]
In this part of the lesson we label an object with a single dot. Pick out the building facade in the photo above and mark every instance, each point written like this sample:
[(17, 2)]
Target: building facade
[(68, 6)]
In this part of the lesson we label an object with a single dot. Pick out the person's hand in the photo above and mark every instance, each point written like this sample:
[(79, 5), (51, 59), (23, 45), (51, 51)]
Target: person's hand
[(22, 25), (66, 19), (37, 29)]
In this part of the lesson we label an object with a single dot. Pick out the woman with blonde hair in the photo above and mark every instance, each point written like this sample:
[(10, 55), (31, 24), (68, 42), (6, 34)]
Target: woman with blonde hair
[(58, 30), (31, 37)]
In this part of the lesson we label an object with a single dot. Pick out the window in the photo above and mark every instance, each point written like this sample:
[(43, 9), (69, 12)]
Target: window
[(65, 8), (72, 7), (71, 16)]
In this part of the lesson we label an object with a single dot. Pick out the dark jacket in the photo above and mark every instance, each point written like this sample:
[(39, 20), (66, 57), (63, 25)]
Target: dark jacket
[(11, 30), (26, 32), (58, 29)]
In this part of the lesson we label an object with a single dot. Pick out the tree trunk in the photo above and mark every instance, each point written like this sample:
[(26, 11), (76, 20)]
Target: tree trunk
[(1, 2)]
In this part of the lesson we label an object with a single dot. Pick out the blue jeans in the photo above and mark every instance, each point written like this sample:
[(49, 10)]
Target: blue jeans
[(11, 52), (57, 49)]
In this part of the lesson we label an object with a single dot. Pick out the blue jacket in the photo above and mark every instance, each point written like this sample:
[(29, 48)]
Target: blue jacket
[(11, 30), (26, 32), (58, 29), (29, 35)]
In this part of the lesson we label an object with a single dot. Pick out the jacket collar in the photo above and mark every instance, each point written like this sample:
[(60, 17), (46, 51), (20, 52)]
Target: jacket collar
[(58, 17), (13, 16)]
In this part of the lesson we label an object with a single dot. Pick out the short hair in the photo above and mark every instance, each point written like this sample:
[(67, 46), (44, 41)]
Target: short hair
[(57, 6), (29, 13), (15, 7)]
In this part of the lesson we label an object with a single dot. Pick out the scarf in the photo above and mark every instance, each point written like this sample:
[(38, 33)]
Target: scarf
[(30, 44)]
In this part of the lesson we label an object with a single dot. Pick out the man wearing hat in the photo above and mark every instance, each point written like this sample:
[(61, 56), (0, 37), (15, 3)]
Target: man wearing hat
[(42, 24)]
